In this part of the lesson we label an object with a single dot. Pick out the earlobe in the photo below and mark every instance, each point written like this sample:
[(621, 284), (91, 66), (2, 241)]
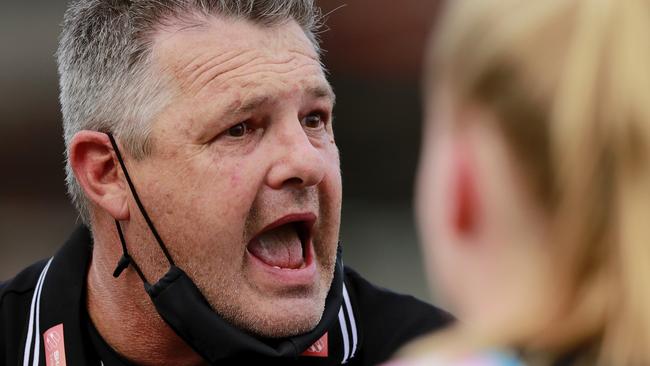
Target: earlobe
[(96, 168)]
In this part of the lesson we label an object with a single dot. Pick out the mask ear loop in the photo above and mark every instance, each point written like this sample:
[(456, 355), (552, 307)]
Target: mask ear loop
[(126, 259)]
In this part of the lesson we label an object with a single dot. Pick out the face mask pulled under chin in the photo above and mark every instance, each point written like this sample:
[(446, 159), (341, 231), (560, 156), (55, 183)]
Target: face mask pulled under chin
[(184, 308)]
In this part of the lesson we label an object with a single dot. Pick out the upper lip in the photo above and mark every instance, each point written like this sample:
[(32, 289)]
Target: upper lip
[(306, 221)]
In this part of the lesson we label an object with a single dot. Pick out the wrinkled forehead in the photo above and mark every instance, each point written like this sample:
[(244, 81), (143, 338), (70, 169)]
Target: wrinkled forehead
[(221, 47)]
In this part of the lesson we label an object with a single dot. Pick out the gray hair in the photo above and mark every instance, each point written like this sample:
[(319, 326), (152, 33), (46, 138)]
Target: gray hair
[(106, 76)]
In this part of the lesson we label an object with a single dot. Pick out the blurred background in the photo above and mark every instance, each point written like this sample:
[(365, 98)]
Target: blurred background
[(373, 51)]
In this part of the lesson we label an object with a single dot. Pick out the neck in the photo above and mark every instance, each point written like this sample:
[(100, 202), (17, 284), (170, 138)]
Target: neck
[(123, 313)]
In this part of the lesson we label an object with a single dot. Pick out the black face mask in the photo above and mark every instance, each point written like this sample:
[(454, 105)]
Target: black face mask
[(180, 303)]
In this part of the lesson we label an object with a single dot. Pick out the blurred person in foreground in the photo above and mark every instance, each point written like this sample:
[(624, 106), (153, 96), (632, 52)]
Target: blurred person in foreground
[(201, 157), (534, 185)]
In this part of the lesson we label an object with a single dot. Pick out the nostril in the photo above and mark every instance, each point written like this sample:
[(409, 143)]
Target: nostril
[(294, 181)]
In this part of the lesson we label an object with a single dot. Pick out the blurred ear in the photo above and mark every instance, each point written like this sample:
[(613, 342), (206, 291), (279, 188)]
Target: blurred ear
[(96, 168), (465, 201)]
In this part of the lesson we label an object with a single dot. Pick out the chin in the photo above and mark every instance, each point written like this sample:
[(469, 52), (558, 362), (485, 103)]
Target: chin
[(272, 310), (281, 318)]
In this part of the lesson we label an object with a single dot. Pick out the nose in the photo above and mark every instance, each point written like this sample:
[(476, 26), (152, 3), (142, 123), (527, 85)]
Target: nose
[(298, 163)]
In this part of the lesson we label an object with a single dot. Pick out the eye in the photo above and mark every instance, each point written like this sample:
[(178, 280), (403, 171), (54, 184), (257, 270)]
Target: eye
[(313, 121), (238, 130)]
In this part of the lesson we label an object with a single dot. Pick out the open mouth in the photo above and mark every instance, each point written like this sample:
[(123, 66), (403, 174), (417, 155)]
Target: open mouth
[(286, 243)]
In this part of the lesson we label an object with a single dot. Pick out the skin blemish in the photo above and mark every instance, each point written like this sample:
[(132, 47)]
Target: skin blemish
[(235, 180)]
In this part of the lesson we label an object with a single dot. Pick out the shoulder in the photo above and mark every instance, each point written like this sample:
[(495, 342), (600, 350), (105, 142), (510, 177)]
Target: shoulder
[(22, 284), (15, 301), (390, 320)]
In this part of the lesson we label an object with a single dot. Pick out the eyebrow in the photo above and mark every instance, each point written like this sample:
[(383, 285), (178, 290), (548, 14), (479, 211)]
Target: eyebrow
[(322, 91), (251, 104)]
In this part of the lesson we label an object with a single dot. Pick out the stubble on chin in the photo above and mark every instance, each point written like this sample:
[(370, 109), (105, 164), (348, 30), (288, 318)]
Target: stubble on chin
[(255, 310)]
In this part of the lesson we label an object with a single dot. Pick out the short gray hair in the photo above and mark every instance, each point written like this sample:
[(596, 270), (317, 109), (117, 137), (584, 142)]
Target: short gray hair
[(106, 76)]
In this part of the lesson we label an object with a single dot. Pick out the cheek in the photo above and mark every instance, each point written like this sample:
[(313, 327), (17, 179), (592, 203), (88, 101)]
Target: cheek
[(333, 166), (235, 179), (430, 199), (211, 198), (245, 179), (330, 193), (432, 203)]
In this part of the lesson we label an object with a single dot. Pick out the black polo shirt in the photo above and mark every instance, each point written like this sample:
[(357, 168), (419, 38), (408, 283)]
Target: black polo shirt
[(43, 318)]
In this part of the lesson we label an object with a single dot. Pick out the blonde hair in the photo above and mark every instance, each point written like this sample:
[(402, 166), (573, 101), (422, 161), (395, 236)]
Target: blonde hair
[(570, 83)]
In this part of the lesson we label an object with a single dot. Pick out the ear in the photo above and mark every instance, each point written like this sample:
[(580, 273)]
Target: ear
[(465, 203), (96, 168)]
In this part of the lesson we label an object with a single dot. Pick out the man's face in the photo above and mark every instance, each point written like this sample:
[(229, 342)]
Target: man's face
[(243, 182)]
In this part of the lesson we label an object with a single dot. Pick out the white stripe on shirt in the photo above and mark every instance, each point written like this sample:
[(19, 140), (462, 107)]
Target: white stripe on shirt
[(36, 302), (353, 324)]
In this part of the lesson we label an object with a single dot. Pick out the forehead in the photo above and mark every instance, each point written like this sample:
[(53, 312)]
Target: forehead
[(222, 52)]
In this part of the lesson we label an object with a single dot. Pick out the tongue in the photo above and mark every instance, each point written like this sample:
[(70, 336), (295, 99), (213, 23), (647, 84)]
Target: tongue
[(280, 247)]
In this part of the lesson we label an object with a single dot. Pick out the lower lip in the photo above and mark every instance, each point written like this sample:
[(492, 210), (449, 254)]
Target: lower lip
[(285, 277)]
